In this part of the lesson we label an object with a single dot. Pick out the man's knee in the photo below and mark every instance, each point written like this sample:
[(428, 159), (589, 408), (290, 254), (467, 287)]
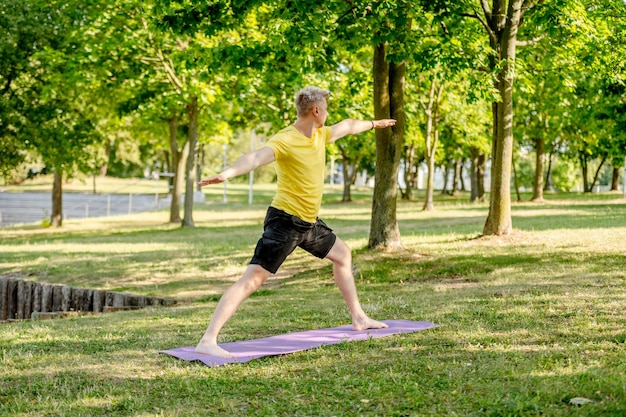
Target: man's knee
[(340, 253), (254, 277)]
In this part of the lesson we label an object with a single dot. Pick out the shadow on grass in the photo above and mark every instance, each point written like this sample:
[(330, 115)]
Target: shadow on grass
[(394, 268), (527, 218), (431, 372)]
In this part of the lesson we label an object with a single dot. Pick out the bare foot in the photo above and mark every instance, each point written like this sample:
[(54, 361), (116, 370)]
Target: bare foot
[(367, 323), (213, 350)]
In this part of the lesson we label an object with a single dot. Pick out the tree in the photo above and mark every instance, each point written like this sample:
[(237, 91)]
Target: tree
[(28, 27), (431, 135), (313, 43), (178, 82), (391, 45), (351, 98), (310, 47), (541, 107), (63, 136), (617, 93), (594, 132), (388, 103), (49, 90), (440, 60), (555, 91), (414, 145), (502, 22), (509, 24), (466, 119)]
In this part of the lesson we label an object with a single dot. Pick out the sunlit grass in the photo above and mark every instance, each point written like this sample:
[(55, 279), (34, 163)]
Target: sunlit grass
[(103, 185), (528, 321)]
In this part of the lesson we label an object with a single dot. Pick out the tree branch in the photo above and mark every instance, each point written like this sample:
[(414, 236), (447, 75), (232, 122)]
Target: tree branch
[(490, 32), (167, 66), (531, 42), (529, 4), (351, 10), (346, 13), (169, 72), (444, 28), (7, 86), (486, 9), (148, 60)]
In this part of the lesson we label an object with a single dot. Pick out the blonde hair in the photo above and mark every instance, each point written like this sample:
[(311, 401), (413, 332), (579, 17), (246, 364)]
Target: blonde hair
[(308, 97)]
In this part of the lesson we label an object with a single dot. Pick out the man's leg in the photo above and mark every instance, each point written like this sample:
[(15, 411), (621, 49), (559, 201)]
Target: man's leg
[(251, 279), (341, 257)]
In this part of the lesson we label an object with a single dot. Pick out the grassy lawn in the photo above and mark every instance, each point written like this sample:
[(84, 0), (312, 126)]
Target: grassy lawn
[(103, 185), (528, 321)]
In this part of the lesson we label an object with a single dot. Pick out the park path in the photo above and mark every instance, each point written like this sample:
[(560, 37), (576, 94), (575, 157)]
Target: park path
[(31, 207)]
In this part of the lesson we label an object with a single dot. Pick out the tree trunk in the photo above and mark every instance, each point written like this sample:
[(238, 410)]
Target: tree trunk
[(200, 165), (349, 169), (432, 138), (480, 176), (458, 165), (504, 43), (499, 218), (538, 180), (430, 184), (168, 166), (474, 153), (346, 196), (462, 186), (548, 183), (597, 174), (446, 177), (107, 155), (388, 103), (615, 179), (585, 170), (56, 219), (516, 182), (409, 172), (477, 175), (179, 159), (190, 174)]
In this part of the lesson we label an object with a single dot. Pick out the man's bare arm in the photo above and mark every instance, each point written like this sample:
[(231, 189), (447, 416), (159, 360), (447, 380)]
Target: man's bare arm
[(246, 163), (354, 127)]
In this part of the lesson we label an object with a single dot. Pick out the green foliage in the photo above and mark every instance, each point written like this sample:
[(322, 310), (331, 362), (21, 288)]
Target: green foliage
[(466, 120), (12, 155), (45, 97), (565, 175), (28, 27), (119, 70)]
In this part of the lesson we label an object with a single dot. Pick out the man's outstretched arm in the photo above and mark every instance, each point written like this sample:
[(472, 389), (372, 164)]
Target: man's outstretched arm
[(354, 127), (246, 163)]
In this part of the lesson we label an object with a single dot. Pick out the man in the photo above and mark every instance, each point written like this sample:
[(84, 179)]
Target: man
[(291, 220)]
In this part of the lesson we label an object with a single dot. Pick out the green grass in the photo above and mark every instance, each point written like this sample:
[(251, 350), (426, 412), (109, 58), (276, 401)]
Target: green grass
[(103, 185), (528, 321)]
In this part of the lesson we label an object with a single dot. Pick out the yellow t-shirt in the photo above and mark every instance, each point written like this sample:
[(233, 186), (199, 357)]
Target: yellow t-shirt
[(300, 165)]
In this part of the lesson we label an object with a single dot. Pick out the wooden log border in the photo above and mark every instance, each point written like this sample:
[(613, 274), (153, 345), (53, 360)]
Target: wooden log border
[(22, 300)]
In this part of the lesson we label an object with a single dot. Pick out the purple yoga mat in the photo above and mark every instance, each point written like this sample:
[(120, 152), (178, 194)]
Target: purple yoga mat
[(248, 350)]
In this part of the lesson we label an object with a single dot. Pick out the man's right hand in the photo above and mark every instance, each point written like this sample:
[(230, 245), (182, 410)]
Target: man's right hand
[(215, 179)]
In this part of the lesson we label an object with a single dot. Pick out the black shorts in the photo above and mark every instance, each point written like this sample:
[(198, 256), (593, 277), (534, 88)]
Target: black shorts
[(282, 233)]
